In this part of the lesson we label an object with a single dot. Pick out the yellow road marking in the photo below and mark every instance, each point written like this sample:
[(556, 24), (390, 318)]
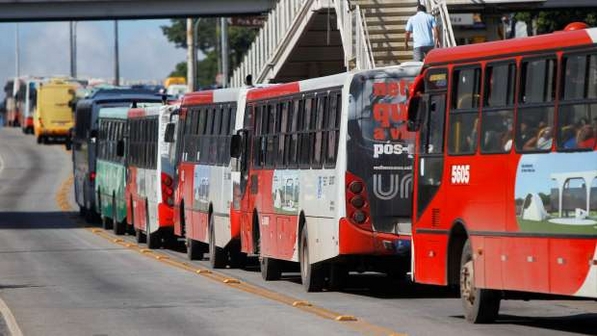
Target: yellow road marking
[(347, 320)]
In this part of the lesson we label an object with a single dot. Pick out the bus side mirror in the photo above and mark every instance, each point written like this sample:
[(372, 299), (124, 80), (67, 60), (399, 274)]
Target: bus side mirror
[(120, 148), (93, 136), (235, 145), (416, 110), (169, 134)]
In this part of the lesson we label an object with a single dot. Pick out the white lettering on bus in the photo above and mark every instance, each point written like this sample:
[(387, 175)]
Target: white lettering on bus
[(461, 174), (395, 186), (388, 149)]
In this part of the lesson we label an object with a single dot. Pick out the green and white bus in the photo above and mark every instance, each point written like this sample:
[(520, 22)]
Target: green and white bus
[(111, 168)]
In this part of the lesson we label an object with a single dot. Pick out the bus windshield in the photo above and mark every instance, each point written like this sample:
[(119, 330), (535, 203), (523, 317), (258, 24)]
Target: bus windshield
[(380, 149)]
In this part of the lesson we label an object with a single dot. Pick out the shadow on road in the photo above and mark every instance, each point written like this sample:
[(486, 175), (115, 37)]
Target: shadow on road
[(37, 220), (580, 323)]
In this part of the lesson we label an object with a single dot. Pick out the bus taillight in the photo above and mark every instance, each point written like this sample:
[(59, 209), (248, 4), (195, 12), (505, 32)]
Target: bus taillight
[(357, 205), (167, 191)]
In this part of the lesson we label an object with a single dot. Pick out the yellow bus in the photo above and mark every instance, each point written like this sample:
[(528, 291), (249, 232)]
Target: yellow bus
[(174, 80), (53, 117)]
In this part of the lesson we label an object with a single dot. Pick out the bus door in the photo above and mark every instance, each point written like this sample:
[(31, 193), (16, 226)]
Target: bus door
[(247, 184), (430, 150)]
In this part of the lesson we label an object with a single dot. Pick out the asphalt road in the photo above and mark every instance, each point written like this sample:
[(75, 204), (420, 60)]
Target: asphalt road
[(59, 278)]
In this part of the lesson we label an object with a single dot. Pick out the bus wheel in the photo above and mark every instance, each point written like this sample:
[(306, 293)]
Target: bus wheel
[(40, 139), (270, 269), (195, 249), (217, 255), (140, 237), (311, 274), (154, 240), (480, 305), (82, 211), (238, 259), (106, 223), (119, 227)]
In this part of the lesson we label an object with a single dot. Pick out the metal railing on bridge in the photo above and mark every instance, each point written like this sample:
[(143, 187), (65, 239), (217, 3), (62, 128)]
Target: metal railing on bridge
[(355, 40), (284, 25)]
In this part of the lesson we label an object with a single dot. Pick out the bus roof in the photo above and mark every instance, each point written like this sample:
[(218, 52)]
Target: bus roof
[(123, 92), (408, 68), (151, 110), (210, 96), (473, 52), (120, 112)]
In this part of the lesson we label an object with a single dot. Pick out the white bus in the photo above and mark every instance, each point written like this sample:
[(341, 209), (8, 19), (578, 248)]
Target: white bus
[(150, 175), (323, 171)]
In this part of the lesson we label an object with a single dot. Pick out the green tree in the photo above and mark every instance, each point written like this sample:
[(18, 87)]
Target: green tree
[(239, 41), (550, 21)]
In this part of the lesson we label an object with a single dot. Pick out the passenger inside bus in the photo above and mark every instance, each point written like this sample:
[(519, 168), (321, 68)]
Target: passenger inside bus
[(586, 137)]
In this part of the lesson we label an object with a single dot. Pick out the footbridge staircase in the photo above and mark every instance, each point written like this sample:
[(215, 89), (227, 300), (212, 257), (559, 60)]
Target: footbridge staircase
[(310, 38)]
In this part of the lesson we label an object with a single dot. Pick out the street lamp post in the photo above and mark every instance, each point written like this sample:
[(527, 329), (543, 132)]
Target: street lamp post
[(116, 61)]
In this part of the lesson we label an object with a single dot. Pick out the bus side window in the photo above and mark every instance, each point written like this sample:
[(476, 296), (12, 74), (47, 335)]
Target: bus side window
[(464, 115), (535, 117), (498, 108), (305, 133), (577, 115)]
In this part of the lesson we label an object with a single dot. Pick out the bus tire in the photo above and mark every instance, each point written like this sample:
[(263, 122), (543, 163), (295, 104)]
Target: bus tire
[(106, 223), (195, 249), (238, 259), (312, 275), (217, 255), (270, 269), (40, 140), (480, 305), (82, 211), (140, 237), (154, 240), (118, 227)]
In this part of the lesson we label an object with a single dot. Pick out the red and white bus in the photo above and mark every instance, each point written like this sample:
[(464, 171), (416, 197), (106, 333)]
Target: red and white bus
[(506, 169), (204, 189), (323, 169), (150, 175)]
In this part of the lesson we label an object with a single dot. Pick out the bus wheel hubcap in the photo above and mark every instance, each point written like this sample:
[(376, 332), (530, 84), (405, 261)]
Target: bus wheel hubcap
[(467, 285)]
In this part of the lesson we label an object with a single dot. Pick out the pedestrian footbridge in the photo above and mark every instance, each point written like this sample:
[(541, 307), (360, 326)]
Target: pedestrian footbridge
[(310, 38)]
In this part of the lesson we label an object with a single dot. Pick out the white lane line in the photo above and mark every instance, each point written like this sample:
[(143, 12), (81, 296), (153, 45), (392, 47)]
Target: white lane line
[(1, 164), (11, 322)]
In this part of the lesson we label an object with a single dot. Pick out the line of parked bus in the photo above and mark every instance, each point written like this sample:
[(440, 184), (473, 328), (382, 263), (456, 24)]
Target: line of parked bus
[(477, 169)]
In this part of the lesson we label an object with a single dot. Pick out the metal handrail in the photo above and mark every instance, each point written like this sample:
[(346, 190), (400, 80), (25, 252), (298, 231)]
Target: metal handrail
[(354, 33), (439, 9), (281, 23)]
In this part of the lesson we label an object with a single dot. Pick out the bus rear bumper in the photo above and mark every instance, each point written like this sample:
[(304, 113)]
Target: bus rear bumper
[(356, 241), (165, 216)]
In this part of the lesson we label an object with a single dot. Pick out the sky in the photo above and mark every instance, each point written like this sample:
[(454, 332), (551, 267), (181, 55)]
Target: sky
[(145, 53)]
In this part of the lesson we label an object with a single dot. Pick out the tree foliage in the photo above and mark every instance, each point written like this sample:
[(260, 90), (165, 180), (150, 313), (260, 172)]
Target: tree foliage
[(550, 21), (208, 39)]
